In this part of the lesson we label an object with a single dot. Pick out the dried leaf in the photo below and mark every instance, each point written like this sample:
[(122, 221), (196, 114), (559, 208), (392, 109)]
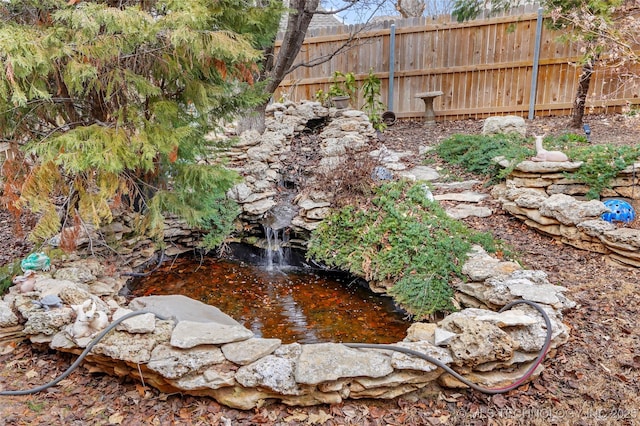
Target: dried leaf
[(96, 409), (141, 389), (319, 418), (499, 400), (299, 417), (31, 374), (173, 155), (116, 418)]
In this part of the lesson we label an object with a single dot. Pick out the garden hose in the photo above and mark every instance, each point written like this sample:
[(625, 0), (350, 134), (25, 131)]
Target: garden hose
[(527, 374), (80, 358), (421, 355)]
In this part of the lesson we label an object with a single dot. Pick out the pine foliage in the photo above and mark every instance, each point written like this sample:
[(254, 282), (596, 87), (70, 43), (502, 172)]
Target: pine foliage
[(112, 100), (401, 238)]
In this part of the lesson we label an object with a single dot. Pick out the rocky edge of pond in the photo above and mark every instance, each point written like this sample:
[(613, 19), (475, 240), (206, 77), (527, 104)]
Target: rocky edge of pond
[(200, 350)]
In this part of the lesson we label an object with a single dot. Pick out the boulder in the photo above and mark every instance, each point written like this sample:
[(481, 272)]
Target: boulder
[(504, 124)]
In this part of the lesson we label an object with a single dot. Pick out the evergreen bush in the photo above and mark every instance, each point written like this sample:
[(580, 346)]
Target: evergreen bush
[(403, 237), (111, 102)]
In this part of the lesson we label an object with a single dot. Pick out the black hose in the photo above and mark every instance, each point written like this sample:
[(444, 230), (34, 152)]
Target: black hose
[(421, 355), (455, 374), (80, 358)]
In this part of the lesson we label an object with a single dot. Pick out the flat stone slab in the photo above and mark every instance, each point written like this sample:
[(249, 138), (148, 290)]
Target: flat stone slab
[(421, 173), (456, 186), (181, 308), (462, 211), (188, 334), (548, 166), (322, 362), (248, 351), (463, 197)]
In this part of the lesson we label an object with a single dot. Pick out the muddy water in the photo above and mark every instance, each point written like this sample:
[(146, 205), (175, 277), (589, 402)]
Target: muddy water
[(292, 306)]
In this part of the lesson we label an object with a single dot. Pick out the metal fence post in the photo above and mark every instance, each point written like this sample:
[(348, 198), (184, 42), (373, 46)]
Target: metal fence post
[(536, 63)]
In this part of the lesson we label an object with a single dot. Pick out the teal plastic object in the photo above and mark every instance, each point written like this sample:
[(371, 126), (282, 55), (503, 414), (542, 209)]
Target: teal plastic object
[(620, 211), (36, 262)]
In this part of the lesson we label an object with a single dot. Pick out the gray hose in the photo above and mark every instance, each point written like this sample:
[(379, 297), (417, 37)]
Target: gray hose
[(81, 357), (455, 374)]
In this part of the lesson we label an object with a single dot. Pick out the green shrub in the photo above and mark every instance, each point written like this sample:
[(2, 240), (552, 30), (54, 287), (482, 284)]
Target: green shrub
[(403, 237), (601, 163), (476, 153)]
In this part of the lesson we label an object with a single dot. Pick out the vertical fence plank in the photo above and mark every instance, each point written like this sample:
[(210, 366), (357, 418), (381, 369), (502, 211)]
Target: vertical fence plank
[(483, 67)]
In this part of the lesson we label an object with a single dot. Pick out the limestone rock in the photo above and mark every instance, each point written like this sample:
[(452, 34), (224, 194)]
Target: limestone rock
[(402, 361), (74, 274), (239, 192), (480, 266), (443, 337), (573, 189), (7, 317), (174, 363), (569, 211), (531, 338), (510, 318), (492, 379), (462, 211), (421, 173), (548, 166), (465, 197), (181, 308), (517, 358), (530, 199), (625, 238), (188, 334), (47, 322), (524, 284), (259, 207), (47, 286), (271, 372), (135, 348), (143, 323), (323, 362), (248, 351), (477, 342), (466, 185), (504, 124), (421, 331), (215, 377)]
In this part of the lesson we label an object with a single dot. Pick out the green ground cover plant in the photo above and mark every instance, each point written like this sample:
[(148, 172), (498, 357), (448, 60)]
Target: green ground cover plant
[(400, 236), (600, 163)]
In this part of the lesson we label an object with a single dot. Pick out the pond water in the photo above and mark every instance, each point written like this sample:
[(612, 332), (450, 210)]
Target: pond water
[(290, 305)]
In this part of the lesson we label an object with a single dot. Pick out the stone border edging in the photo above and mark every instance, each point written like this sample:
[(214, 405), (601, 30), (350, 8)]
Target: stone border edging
[(540, 194), (202, 351)]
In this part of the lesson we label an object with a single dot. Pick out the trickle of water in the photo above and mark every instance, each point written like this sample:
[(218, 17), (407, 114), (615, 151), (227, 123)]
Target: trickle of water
[(275, 256)]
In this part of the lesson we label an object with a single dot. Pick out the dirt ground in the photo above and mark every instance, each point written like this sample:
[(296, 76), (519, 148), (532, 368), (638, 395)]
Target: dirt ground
[(593, 379)]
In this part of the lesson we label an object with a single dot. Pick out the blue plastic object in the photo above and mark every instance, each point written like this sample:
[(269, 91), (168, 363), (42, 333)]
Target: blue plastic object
[(621, 211)]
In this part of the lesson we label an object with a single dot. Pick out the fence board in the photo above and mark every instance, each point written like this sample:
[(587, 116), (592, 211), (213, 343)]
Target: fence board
[(484, 67)]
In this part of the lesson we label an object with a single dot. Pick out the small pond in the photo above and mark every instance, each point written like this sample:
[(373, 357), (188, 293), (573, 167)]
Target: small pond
[(292, 305)]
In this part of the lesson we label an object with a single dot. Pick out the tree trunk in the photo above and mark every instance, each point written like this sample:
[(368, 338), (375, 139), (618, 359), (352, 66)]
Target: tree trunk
[(276, 68), (297, 24), (253, 120), (581, 96)]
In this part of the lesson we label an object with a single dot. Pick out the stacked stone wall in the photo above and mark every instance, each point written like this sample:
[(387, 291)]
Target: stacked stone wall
[(541, 195)]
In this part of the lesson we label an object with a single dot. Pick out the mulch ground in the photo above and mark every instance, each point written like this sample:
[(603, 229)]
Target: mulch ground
[(593, 379)]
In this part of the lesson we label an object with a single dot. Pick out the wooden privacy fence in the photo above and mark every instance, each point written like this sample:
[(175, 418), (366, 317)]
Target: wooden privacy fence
[(484, 67)]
